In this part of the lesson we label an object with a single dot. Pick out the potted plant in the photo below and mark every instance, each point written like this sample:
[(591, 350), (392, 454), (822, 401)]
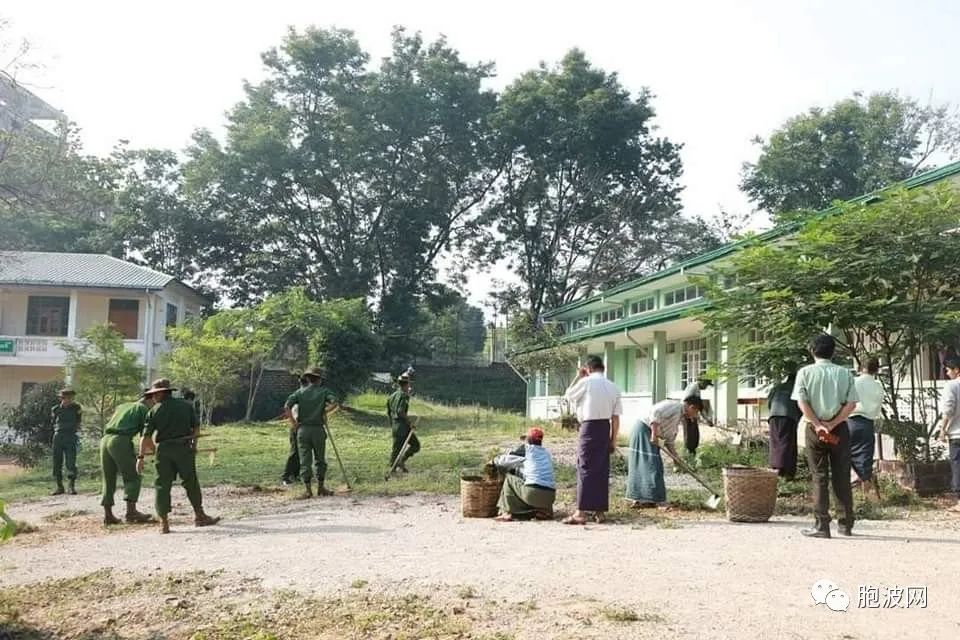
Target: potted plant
[(920, 466)]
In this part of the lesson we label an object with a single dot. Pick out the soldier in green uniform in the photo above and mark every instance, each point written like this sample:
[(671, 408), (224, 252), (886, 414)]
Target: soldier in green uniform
[(172, 426), (66, 418), (312, 403), (118, 457), (398, 405)]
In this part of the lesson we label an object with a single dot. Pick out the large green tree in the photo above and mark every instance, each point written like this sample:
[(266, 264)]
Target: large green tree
[(347, 179), (588, 193), (883, 277), (856, 146)]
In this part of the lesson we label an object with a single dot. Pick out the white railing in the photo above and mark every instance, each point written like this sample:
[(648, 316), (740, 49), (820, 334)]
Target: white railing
[(48, 350)]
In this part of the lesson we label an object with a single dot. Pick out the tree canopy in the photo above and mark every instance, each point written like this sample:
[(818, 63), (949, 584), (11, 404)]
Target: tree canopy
[(856, 146)]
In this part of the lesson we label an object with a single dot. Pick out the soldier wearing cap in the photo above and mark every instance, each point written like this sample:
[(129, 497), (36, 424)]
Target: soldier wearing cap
[(66, 417), (398, 406), (118, 457), (172, 426), (310, 422)]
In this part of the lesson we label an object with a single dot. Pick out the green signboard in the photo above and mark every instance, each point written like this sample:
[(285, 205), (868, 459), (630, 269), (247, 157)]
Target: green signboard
[(8, 347)]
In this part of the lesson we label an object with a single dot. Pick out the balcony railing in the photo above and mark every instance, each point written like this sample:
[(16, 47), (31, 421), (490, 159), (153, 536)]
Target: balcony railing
[(47, 350)]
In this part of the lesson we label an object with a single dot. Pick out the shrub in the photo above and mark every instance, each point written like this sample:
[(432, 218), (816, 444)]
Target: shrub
[(31, 422)]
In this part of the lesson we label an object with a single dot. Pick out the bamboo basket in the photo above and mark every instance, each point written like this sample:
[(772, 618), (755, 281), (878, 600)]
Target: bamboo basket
[(479, 495), (750, 494)]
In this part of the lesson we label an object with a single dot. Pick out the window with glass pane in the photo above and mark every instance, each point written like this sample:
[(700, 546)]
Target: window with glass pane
[(642, 306), (608, 316), (124, 317), (693, 361), (47, 316), (171, 315)]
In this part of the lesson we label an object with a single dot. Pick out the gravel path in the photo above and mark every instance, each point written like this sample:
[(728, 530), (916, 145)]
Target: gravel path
[(707, 578)]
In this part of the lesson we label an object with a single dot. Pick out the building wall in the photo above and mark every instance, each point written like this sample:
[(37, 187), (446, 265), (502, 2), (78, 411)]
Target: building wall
[(12, 379)]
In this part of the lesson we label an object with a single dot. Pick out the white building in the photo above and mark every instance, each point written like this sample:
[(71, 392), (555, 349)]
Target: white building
[(653, 346), (49, 298)]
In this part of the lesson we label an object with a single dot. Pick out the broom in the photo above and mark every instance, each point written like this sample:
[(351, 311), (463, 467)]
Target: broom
[(345, 488)]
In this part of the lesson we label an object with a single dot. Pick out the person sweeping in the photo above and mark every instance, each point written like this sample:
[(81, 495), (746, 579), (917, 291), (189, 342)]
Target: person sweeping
[(312, 403), (398, 407), (117, 456), (645, 483)]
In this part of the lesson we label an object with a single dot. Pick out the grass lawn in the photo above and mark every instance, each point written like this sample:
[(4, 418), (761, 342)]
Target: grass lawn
[(453, 439)]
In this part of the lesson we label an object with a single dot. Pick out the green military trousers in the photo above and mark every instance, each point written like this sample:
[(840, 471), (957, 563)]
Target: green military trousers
[(118, 457), (64, 451), (312, 440), (401, 429), (176, 459)]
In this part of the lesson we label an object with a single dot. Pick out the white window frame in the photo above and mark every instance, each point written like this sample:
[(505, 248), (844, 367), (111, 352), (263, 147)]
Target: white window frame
[(649, 304), (693, 354)]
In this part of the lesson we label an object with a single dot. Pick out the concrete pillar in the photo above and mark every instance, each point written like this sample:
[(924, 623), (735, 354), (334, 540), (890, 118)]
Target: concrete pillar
[(72, 314), (658, 374), (732, 384), (609, 353), (629, 359)]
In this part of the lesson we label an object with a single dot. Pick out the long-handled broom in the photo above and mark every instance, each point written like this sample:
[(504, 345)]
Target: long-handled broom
[(336, 453), (403, 450)]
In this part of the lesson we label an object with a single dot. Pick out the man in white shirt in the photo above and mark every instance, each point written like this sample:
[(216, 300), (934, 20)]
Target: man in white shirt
[(950, 425), (862, 423), (598, 405)]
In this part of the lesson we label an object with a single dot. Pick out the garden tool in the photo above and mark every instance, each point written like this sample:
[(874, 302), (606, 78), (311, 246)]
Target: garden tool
[(336, 453), (714, 500), (403, 450)]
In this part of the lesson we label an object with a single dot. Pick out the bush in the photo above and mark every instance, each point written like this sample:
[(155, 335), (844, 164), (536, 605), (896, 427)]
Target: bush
[(716, 455), (31, 422)]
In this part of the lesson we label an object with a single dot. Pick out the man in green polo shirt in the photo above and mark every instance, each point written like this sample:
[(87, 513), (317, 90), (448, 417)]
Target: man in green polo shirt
[(827, 395), (312, 403), (172, 426), (66, 417), (117, 456)]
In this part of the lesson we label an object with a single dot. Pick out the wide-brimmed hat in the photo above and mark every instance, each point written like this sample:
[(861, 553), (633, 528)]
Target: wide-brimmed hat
[(315, 372), (157, 386), (403, 378), (66, 392)]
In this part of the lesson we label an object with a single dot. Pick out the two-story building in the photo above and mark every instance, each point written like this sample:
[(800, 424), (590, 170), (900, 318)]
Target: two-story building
[(653, 345), (49, 298)]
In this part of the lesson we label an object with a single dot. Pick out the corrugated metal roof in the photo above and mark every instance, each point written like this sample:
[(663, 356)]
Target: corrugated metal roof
[(77, 270)]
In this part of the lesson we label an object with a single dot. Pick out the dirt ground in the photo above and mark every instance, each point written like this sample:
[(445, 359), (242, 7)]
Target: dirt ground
[(677, 578)]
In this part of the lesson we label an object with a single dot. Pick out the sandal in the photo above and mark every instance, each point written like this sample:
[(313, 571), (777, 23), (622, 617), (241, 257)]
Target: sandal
[(574, 520), (542, 515), (638, 504), (599, 518), (503, 517)]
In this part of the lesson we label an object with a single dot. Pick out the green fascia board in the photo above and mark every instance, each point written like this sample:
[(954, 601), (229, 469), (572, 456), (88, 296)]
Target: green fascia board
[(923, 179), (633, 322)]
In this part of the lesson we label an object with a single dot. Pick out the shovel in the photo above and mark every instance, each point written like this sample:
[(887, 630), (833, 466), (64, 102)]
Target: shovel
[(714, 500)]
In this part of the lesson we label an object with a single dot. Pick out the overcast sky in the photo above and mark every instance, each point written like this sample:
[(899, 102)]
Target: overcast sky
[(722, 72)]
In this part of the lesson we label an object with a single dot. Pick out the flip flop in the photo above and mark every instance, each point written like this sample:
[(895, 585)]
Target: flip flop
[(503, 517), (572, 520)]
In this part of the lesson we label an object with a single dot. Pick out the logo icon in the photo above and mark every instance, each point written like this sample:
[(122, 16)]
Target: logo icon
[(829, 593)]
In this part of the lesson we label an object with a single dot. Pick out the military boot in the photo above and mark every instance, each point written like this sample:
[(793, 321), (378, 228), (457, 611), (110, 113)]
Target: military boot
[(201, 519), (307, 491), (164, 524), (72, 487), (59, 490), (322, 490), (108, 517), (135, 517), (820, 529)]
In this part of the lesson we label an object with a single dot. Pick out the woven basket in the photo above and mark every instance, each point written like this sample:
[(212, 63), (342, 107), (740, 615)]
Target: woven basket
[(750, 494), (479, 495)]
